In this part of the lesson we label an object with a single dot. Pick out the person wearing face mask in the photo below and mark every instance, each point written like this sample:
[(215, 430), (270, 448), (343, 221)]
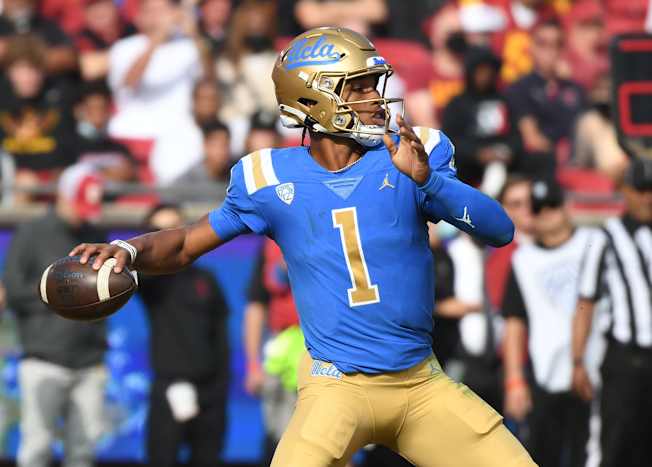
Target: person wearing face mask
[(61, 373), (92, 112), (244, 69)]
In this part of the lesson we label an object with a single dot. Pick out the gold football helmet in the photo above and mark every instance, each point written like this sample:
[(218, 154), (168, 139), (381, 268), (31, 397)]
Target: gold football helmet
[(310, 74)]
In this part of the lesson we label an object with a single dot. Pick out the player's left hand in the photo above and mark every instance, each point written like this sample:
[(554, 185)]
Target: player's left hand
[(409, 156)]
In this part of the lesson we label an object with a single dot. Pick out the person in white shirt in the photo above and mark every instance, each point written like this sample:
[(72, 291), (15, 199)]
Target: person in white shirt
[(152, 76), (539, 305)]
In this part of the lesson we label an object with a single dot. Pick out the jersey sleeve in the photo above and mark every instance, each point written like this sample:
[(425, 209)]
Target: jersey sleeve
[(444, 197), (238, 214), (440, 150), (513, 304)]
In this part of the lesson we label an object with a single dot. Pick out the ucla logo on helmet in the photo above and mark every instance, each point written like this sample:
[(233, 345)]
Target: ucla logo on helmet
[(304, 53)]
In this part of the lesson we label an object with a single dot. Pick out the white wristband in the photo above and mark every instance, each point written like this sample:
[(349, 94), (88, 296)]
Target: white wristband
[(127, 246)]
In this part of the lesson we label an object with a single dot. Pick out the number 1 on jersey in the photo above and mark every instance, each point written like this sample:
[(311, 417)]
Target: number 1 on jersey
[(363, 291)]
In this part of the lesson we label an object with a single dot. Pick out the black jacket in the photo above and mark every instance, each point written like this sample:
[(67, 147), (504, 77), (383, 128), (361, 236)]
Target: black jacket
[(43, 334), (188, 337), (475, 119)]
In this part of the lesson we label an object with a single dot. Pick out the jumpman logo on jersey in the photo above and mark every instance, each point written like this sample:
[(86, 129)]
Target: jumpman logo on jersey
[(386, 183), (466, 218)]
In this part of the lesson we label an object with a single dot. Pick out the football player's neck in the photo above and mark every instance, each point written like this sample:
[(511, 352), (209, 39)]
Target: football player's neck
[(334, 153)]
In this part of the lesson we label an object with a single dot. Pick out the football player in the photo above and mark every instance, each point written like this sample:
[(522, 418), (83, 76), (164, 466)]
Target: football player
[(349, 212)]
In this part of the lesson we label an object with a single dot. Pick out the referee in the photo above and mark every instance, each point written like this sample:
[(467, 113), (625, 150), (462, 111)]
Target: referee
[(618, 265)]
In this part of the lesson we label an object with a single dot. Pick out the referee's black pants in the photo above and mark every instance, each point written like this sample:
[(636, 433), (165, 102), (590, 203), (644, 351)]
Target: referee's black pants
[(626, 407), (558, 429), (203, 434)]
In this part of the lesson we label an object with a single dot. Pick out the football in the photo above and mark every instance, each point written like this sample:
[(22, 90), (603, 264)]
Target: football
[(76, 291)]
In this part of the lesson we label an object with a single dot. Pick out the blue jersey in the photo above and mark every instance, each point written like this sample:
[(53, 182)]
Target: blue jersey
[(356, 245)]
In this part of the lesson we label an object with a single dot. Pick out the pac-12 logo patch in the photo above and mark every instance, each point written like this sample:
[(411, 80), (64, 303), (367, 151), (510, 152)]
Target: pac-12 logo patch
[(285, 192)]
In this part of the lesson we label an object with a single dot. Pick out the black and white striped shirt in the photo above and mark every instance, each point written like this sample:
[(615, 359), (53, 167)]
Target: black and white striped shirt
[(618, 265)]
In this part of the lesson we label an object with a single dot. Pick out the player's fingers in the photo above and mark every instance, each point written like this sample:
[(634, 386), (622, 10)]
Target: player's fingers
[(75, 251), (87, 252), (389, 143), (103, 255), (408, 134), (418, 147)]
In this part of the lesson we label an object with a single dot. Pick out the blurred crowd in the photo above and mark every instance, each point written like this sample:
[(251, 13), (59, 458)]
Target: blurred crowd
[(168, 95)]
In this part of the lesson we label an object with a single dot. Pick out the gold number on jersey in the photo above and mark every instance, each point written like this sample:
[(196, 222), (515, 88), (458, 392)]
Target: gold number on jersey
[(363, 291)]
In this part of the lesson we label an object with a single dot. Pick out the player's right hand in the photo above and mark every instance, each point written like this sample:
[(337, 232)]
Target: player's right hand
[(581, 383), (104, 251), (518, 402)]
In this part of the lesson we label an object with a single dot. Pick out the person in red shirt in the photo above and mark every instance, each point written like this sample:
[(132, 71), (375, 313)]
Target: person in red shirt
[(270, 310)]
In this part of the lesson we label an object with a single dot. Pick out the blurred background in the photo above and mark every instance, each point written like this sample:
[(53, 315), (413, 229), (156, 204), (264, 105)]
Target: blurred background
[(159, 98)]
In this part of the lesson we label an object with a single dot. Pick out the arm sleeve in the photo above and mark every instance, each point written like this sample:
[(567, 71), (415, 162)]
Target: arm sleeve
[(238, 214), (592, 267), (513, 305), (257, 291), (446, 198)]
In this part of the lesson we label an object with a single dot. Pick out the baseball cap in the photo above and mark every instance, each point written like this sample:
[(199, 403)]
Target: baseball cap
[(82, 187), (639, 174), (546, 194)]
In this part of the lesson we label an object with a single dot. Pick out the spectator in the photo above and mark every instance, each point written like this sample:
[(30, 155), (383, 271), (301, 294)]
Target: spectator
[(515, 42), (596, 143), (93, 111), (585, 59), (68, 14), (359, 15), (205, 101), (623, 17), (61, 374), (35, 126), (481, 22), (515, 199), (478, 121), (213, 24), (448, 308), (189, 357), (102, 27), (207, 180), (545, 107), (479, 327), (270, 305), (617, 266), (153, 98), (539, 304), (448, 45), (19, 17), (244, 70), (263, 132)]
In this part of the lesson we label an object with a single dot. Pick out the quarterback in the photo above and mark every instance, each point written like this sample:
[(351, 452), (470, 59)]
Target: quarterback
[(349, 212)]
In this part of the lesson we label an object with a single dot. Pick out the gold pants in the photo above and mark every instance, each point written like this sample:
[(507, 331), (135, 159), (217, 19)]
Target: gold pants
[(420, 413)]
